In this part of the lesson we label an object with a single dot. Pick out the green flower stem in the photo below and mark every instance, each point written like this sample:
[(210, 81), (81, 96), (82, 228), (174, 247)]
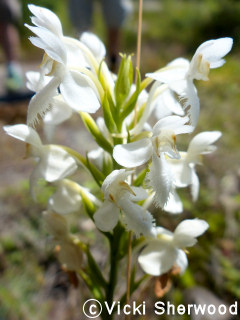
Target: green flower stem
[(113, 271), (91, 286), (115, 256)]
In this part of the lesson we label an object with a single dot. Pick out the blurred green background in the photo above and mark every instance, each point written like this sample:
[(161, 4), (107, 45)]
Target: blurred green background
[(29, 273)]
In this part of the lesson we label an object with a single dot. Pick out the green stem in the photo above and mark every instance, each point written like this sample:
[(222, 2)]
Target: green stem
[(114, 261), (113, 272)]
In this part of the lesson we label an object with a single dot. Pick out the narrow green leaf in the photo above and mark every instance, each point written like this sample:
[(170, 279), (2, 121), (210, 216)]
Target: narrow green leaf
[(87, 203), (140, 178), (96, 292), (95, 132), (124, 80), (107, 114), (97, 174), (131, 103), (95, 270)]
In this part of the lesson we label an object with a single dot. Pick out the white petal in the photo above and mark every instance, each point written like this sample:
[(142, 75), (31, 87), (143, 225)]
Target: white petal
[(46, 19), (34, 82), (169, 123), (194, 186), (202, 144), (40, 102), (78, 92), (157, 258), (102, 127), (24, 133), (55, 163), (161, 112), (147, 110), (75, 56), (137, 219), (49, 130), (188, 94), (182, 260), (66, 199), (106, 217), (59, 112), (186, 232), (97, 157), (112, 183), (50, 43), (176, 70), (191, 101), (133, 154), (163, 231), (94, 44), (140, 194), (174, 204), (214, 50), (166, 100), (160, 179), (182, 172)]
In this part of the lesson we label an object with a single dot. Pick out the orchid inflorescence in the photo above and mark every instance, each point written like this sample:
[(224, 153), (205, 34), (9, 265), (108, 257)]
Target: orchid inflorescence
[(136, 165)]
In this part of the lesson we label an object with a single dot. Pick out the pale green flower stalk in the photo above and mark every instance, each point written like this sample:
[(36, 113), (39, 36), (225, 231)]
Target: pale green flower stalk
[(74, 79)]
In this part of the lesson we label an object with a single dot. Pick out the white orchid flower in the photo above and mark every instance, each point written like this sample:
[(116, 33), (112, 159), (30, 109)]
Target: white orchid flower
[(162, 253), (166, 104), (183, 169), (67, 197), (94, 44), (163, 141), (77, 89), (99, 158), (179, 74), (119, 197), (46, 19), (159, 100), (68, 251), (53, 162), (147, 99), (59, 111)]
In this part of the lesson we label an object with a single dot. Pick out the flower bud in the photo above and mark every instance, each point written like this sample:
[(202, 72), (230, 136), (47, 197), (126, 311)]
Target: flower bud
[(55, 224), (70, 255)]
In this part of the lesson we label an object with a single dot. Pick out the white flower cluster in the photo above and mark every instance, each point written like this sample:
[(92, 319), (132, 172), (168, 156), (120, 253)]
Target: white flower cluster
[(74, 78)]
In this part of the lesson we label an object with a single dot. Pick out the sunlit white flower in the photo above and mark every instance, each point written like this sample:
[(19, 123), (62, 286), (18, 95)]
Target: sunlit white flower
[(53, 162), (179, 74), (119, 197), (94, 44), (161, 101), (77, 89), (69, 253), (163, 141), (100, 158), (166, 104), (67, 197), (183, 169), (59, 111), (162, 253)]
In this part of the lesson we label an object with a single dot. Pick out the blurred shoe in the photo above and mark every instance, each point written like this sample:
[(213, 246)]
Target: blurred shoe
[(14, 81), (114, 63)]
